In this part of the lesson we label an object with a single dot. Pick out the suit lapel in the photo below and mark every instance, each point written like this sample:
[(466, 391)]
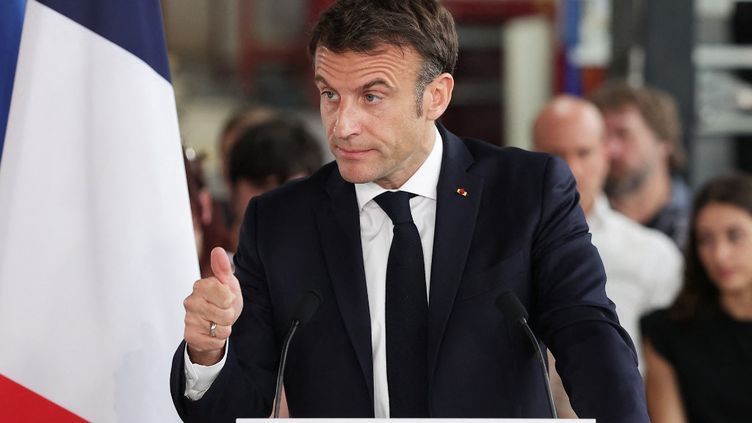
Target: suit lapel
[(455, 223), (339, 226)]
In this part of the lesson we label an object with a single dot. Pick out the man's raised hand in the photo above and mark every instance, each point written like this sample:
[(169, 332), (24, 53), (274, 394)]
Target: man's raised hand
[(215, 303)]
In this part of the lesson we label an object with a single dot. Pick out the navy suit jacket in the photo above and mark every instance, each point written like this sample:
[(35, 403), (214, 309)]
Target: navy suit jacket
[(520, 228)]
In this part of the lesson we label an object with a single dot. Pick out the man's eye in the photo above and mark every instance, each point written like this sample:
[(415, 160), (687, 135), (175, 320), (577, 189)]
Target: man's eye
[(329, 95), (372, 98)]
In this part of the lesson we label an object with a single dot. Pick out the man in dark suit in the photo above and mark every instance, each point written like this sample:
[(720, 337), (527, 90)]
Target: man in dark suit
[(398, 337)]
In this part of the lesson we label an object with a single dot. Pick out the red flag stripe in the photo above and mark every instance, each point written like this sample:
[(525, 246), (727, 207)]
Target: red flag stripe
[(18, 404)]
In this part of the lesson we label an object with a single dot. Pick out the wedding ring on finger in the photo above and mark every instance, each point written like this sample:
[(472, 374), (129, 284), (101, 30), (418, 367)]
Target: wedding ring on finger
[(212, 329)]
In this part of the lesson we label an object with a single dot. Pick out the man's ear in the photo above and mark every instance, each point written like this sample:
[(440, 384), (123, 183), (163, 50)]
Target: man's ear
[(437, 96)]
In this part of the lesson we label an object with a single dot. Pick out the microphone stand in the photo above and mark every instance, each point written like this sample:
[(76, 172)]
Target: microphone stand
[(281, 370), (543, 366)]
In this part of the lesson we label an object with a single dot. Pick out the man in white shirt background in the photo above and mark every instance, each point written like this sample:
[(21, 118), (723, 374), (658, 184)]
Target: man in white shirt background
[(643, 266)]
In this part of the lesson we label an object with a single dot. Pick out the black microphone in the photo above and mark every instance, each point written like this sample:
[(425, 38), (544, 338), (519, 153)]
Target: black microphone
[(511, 307), (306, 309)]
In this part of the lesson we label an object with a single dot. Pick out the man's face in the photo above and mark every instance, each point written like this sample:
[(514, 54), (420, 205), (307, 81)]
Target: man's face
[(634, 150), (579, 141), (368, 109)]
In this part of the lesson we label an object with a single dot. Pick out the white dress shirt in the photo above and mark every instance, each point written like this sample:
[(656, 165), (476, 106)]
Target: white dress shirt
[(643, 266), (643, 272), (376, 232)]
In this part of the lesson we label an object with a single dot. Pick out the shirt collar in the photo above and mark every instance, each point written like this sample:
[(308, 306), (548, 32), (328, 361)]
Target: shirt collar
[(422, 183)]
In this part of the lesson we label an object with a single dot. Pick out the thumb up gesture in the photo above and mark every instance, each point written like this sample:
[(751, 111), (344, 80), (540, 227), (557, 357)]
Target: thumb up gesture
[(211, 310)]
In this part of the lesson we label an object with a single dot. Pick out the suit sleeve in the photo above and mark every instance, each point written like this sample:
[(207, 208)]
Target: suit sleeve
[(575, 319), (245, 385)]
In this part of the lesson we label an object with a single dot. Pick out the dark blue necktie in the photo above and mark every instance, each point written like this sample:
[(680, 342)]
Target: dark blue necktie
[(406, 312)]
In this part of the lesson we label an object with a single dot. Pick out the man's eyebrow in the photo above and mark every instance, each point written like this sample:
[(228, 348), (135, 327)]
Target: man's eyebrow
[(377, 81), (368, 85)]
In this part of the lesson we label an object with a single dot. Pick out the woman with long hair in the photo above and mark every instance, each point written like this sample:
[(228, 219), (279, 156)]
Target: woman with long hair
[(698, 352)]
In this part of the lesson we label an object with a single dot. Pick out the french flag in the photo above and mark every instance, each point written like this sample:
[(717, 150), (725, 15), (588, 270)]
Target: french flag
[(96, 240)]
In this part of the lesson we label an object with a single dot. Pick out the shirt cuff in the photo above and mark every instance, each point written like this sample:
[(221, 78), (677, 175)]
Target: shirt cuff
[(198, 378)]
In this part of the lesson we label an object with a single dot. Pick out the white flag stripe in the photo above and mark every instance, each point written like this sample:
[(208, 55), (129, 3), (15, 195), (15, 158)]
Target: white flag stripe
[(96, 248)]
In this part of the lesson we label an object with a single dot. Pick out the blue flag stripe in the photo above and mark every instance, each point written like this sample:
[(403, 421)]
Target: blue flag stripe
[(134, 25), (572, 76), (11, 22)]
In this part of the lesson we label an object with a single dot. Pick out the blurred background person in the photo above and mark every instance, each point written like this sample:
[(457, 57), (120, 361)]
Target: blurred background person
[(260, 150), (643, 140), (235, 126), (265, 156), (698, 351), (643, 266), (208, 228)]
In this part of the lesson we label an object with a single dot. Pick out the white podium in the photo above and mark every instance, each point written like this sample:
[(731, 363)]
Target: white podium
[(423, 420)]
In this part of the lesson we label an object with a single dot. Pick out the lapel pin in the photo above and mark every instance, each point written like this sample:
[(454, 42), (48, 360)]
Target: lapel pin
[(462, 192)]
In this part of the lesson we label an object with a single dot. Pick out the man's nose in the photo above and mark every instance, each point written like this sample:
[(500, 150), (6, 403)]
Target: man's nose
[(347, 123)]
